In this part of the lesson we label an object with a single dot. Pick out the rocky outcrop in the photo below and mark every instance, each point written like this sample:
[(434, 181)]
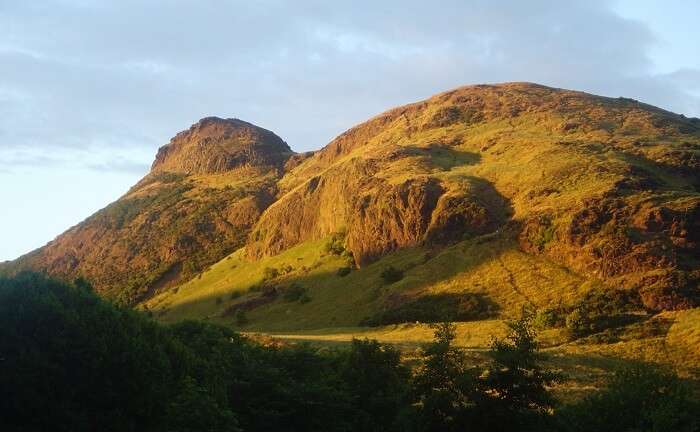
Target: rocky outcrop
[(215, 145), (649, 246), (377, 216)]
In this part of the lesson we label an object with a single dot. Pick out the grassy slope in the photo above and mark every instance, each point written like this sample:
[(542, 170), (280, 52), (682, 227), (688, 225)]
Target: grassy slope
[(488, 265)]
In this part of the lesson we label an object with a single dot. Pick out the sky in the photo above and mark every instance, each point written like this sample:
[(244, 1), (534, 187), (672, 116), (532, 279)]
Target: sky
[(90, 89)]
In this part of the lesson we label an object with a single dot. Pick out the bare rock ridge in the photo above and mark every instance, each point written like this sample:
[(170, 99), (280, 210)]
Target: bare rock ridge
[(214, 145), (607, 187)]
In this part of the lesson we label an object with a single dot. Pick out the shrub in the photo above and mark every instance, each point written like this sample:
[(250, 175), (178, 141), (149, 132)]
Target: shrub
[(549, 318), (640, 397), (599, 309), (270, 273), (378, 380), (295, 292), (241, 318), (436, 308), (602, 309), (391, 274), (442, 385), (335, 245), (344, 271)]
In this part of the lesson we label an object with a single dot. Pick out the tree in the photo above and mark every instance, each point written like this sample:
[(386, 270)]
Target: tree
[(377, 381), (640, 397), (513, 392), (443, 385)]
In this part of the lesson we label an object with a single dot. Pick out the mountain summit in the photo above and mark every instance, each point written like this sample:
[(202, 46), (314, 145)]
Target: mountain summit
[(607, 188), (214, 145)]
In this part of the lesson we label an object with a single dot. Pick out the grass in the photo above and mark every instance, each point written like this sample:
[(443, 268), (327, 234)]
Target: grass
[(490, 266)]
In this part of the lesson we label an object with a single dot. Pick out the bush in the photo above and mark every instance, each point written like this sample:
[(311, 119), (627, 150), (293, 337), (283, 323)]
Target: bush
[(442, 385), (72, 362), (549, 318), (241, 318), (391, 274), (598, 310), (344, 271), (270, 273), (602, 309), (640, 397), (335, 245), (436, 308), (296, 292)]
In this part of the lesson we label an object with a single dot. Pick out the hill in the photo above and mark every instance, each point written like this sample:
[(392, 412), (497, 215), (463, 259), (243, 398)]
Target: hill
[(469, 205), (206, 189)]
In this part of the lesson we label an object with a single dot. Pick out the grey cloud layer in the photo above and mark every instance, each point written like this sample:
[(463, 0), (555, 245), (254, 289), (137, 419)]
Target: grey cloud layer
[(129, 74)]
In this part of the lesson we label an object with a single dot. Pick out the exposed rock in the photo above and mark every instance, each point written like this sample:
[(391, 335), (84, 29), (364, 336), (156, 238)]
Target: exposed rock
[(215, 145)]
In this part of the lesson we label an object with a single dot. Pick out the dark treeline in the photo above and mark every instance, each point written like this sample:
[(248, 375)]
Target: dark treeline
[(72, 362)]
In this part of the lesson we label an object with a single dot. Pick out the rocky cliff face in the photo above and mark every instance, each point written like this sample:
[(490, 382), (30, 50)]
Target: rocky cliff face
[(608, 188)]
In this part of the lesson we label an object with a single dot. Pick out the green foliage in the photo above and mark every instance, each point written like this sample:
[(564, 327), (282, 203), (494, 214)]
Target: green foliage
[(270, 273), (513, 390), (75, 363), (378, 382), (71, 362), (344, 271), (639, 398), (442, 385), (241, 318), (336, 244), (544, 236), (296, 292), (509, 394), (436, 308), (391, 274), (549, 318), (601, 309)]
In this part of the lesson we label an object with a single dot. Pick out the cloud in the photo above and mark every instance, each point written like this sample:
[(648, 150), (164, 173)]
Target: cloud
[(26, 160), (99, 76)]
